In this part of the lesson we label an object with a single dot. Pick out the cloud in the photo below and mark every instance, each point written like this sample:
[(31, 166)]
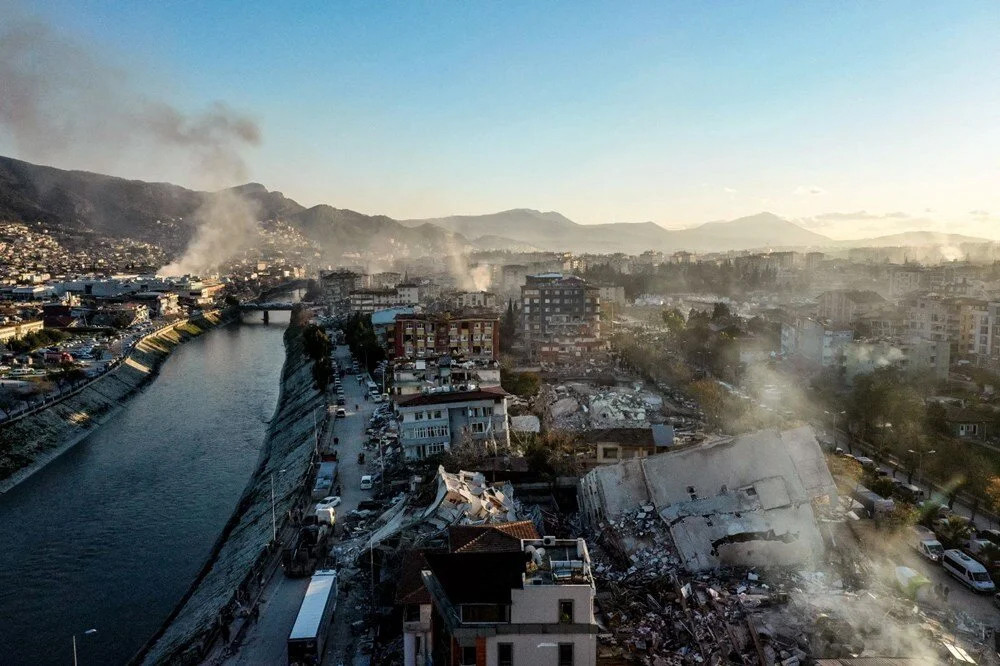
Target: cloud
[(810, 190), (730, 190), (979, 213)]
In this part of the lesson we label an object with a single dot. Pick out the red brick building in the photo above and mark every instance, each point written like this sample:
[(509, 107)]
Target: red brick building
[(431, 335)]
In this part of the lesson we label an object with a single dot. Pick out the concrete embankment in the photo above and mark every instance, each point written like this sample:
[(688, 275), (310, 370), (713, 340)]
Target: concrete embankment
[(241, 553), (29, 443)]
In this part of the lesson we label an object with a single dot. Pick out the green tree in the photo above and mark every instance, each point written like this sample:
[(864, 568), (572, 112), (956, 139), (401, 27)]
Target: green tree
[(954, 532), (674, 321)]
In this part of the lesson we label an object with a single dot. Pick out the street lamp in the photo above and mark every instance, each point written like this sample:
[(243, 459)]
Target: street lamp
[(88, 632), (274, 520), (920, 461)]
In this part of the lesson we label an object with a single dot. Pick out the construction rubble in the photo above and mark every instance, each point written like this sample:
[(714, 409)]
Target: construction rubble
[(660, 602), (578, 406)]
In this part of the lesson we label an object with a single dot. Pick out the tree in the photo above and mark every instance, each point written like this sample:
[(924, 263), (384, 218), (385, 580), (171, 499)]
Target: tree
[(881, 485), (990, 554), (508, 326), (674, 321), (992, 493), (955, 531)]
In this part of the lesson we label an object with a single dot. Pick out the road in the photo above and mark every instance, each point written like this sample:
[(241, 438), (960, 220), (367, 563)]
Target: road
[(982, 521), (264, 642)]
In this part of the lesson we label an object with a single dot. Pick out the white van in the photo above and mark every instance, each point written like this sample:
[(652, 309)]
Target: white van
[(964, 568), (366, 482)]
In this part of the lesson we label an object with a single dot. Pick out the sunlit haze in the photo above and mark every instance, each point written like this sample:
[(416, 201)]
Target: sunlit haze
[(855, 119)]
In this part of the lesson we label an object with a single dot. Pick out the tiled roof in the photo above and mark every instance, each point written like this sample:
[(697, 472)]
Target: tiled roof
[(478, 577), (411, 588), (496, 538)]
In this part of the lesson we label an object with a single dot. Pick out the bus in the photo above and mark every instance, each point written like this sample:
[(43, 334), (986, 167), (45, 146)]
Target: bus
[(307, 641), (970, 572)]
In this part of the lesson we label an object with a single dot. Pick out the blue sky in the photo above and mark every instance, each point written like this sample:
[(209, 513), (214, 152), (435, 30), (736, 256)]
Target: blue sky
[(677, 113)]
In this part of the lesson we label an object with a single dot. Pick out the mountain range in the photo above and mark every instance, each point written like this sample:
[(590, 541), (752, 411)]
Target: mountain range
[(89, 203)]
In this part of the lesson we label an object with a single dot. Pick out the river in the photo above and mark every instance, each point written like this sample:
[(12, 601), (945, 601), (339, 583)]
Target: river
[(111, 534)]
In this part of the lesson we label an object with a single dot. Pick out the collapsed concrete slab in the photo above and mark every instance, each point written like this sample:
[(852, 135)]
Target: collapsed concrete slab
[(744, 501)]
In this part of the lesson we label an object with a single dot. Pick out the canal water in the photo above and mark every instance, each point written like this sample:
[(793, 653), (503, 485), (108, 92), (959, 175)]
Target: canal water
[(110, 535)]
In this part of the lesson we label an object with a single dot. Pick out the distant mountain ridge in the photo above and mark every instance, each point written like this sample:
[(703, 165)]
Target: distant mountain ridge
[(84, 202)]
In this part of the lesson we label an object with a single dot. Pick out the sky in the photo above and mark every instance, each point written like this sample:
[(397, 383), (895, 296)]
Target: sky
[(853, 118)]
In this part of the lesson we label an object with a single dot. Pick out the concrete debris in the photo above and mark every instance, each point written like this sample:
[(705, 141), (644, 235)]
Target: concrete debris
[(467, 499)]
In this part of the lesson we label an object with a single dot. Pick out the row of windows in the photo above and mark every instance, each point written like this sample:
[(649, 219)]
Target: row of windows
[(430, 414), (424, 433)]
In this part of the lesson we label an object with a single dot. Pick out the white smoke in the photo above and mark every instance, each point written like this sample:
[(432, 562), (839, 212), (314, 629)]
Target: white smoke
[(65, 102), (227, 226)]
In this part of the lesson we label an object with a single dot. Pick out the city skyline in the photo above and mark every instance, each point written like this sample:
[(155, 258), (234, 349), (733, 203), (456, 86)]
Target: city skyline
[(853, 121)]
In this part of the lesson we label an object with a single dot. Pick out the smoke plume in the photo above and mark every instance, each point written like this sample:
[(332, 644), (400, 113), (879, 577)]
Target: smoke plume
[(64, 102), (226, 227)]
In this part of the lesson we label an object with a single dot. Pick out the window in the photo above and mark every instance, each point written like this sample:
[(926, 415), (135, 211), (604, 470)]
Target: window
[(478, 427), (565, 611), (418, 416), (468, 655), (565, 654), (505, 654), (437, 413), (412, 613)]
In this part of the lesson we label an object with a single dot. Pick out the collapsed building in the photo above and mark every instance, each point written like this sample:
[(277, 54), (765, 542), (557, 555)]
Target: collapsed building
[(744, 501)]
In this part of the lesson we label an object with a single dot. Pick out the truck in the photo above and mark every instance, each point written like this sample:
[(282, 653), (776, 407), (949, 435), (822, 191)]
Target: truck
[(925, 543), (308, 549), (325, 478), (307, 640), (873, 503)]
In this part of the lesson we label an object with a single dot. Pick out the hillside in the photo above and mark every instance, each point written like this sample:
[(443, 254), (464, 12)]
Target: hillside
[(914, 239), (79, 202), (761, 231), (341, 231)]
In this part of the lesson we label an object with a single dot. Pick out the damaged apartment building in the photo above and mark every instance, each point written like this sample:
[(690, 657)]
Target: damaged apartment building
[(499, 595), (743, 501)]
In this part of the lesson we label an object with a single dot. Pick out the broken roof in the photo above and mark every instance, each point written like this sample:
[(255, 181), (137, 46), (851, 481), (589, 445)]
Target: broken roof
[(745, 500)]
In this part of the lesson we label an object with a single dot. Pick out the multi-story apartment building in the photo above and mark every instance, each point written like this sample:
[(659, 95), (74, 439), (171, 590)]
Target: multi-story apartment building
[(431, 335), (367, 301), (493, 599), (338, 285), (914, 356), (475, 299), (927, 317), (612, 294), (436, 421), (904, 280), (814, 343), (846, 306), (411, 377), (561, 316)]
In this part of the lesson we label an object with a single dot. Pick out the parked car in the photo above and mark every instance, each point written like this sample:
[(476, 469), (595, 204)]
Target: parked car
[(341, 413)]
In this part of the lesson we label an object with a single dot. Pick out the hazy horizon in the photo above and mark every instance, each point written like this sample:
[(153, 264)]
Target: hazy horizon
[(852, 121)]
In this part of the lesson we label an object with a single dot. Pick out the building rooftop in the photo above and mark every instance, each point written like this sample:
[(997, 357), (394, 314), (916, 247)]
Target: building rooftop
[(443, 397), (551, 561)]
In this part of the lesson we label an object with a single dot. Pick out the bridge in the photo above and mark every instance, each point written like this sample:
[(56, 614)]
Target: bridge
[(257, 306)]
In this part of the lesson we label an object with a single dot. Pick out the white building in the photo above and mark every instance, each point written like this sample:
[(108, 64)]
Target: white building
[(497, 600), (434, 422)]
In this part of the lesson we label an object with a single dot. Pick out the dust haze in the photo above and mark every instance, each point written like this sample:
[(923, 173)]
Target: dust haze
[(66, 104)]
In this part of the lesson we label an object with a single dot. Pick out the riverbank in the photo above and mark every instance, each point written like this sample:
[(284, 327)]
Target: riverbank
[(241, 553), (29, 444)]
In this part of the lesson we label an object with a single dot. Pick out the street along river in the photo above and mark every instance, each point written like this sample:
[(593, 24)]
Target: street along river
[(110, 535)]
